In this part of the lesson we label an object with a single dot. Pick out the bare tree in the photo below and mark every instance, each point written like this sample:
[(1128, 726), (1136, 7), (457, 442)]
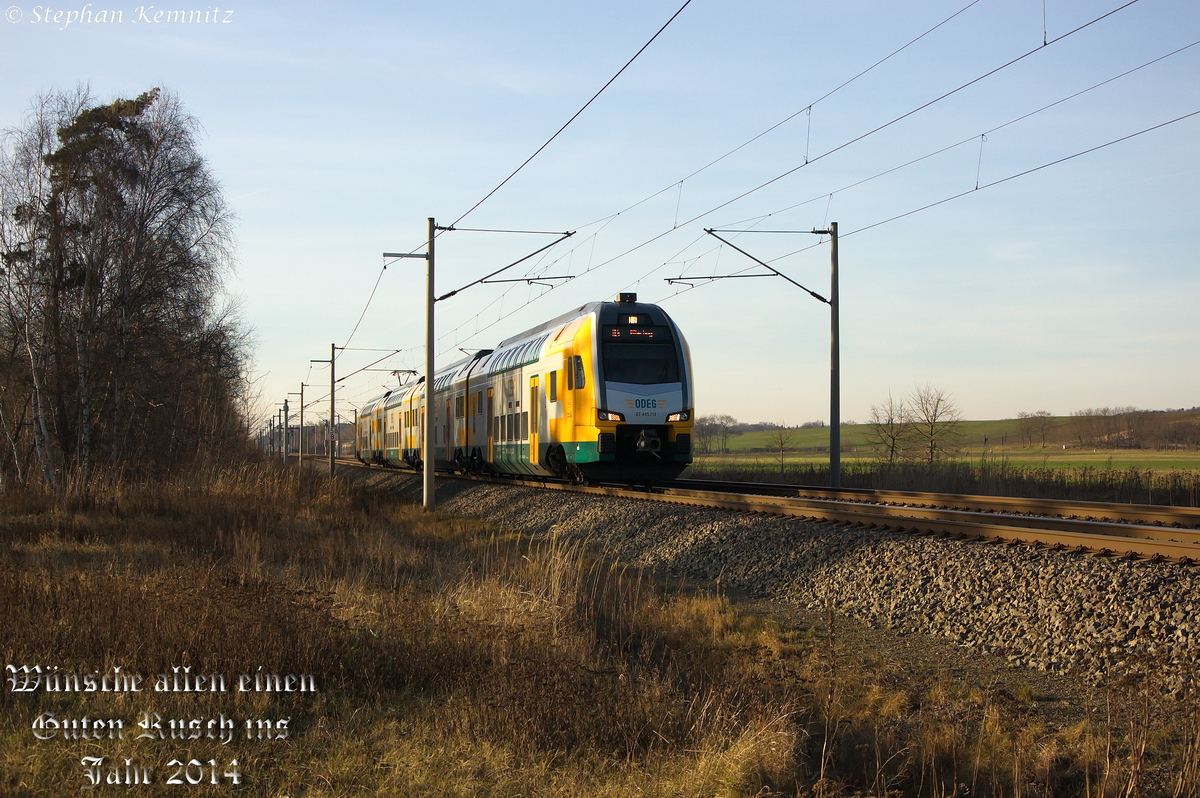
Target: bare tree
[(114, 238), (935, 419), (705, 429), (782, 437), (1043, 422), (1026, 425), (725, 428), (889, 429)]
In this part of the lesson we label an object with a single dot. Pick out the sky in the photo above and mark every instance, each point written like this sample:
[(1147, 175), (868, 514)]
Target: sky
[(338, 129)]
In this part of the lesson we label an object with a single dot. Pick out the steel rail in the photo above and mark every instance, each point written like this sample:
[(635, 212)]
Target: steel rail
[(1115, 511), (1132, 540), (1154, 542)]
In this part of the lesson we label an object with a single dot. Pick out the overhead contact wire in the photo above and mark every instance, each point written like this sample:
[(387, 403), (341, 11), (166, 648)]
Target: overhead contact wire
[(918, 109), (805, 110), (969, 139), (574, 116), (530, 158), (1027, 172), (871, 132), (962, 194)]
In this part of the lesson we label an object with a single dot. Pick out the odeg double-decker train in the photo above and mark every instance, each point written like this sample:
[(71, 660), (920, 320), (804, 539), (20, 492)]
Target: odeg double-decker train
[(603, 392)]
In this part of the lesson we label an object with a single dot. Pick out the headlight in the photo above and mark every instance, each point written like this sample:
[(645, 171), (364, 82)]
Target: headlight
[(684, 416), (608, 415)]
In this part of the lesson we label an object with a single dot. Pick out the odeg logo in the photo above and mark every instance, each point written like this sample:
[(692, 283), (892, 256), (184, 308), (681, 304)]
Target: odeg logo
[(646, 404)]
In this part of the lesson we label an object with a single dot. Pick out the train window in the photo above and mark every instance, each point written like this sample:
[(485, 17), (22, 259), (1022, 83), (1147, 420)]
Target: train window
[(570, 377), (458, 407), (640, 364), (579, 381), (553, 386), (479, 403), (525, 425)]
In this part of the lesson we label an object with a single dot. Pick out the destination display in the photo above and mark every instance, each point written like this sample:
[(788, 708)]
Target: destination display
[(637, 334)]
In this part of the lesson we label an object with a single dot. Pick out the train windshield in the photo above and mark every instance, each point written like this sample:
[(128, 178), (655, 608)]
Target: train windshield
[(640, 363)]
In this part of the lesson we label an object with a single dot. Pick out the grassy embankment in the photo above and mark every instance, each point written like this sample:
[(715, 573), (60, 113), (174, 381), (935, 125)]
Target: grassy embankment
[(454, 659)]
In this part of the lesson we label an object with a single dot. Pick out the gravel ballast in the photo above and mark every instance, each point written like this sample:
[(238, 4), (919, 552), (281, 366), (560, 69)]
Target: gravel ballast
[(1100, 617)]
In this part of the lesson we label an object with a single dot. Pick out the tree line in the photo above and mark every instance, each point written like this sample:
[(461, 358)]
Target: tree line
[(1131, 428), (117, 351)]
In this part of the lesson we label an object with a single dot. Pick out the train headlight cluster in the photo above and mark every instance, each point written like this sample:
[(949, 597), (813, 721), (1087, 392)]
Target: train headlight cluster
[(684, 416), (608, 415)]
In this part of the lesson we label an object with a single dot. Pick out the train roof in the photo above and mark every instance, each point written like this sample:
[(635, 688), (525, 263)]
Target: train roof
[(607, 312)]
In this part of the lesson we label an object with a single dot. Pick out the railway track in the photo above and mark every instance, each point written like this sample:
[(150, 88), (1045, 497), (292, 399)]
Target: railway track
[(1141, 531), (1151, 514)]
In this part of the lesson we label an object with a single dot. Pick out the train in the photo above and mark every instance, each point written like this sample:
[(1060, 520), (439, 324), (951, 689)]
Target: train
[(600, 393)]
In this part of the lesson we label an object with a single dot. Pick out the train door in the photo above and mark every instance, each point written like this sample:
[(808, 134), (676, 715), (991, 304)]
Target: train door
[(469, 425), (462, 422), (491, 425), (568, 400), (534, 417)]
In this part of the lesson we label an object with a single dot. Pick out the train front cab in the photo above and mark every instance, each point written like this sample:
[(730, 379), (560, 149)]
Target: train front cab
[(628, 391)]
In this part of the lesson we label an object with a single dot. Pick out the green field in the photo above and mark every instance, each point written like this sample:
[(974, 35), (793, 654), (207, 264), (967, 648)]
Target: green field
[(998, 440)]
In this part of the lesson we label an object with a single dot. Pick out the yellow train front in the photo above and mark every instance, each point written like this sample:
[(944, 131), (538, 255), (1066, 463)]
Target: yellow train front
[(603, 392)]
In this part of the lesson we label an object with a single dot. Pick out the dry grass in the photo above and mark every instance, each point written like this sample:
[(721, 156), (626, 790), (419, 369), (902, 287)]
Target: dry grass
[(453, 659)]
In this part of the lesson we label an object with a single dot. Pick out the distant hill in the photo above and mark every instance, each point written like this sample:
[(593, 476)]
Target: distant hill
[(1107, 428)]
